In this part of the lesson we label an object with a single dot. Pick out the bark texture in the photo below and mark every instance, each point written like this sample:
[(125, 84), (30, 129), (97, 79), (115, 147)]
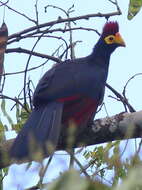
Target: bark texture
[(119, 127)]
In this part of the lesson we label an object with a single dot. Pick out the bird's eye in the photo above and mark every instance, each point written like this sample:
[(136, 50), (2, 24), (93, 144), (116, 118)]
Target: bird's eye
[(111, 38)]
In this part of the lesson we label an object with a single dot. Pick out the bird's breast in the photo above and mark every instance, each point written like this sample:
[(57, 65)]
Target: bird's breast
[(90, 83)]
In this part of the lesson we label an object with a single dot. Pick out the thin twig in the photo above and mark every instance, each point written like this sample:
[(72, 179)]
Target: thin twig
[(118, 99), (72, 53), (116, 4), (44, 169), (63, 20), (71, 163), (33, 68), (18, 38), (139, 148), (124, 90), (20, 72), (19, 13), (124, 148), (123, 99), (26, 51), (3, 4), (66, 50), (36, 11), (55, 7), (30, 94), (3, 82), (26, 68), (81, 167), (15, 100)]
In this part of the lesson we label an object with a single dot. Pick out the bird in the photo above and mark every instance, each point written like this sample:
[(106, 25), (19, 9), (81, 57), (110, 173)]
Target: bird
[(68, 93)]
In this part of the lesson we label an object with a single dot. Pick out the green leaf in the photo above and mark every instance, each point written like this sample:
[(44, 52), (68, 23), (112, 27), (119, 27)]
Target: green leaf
[(134, 8), (133, 181), (24, 115), (71, 180), (2, 132), (2, 129), (3, 105), (17, 127)]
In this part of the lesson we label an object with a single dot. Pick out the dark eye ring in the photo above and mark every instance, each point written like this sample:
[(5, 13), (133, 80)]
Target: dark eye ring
[(111, 38)]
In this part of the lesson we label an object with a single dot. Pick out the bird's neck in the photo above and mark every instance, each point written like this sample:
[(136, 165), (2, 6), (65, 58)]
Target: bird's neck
[(102, 51)]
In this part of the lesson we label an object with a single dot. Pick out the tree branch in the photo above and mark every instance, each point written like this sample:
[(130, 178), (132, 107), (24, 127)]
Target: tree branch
[(26, 51), (36, 33), (19, 13), (123, 99), (118, 127), (62, 20)]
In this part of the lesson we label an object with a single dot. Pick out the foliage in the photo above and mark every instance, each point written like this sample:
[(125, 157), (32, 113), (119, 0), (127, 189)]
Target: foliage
[(101, 160), (134, 8), (133, 181), (72, 180), (110, 158)]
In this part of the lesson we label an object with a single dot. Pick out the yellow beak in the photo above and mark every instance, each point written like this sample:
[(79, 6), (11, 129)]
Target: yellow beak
[(119, 40)]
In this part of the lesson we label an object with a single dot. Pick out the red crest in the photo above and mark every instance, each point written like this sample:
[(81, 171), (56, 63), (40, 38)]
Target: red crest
[(110, 28)]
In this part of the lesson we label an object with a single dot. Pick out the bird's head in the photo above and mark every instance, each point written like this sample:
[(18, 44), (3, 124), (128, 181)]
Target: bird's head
[(109, 40), (111, 35)]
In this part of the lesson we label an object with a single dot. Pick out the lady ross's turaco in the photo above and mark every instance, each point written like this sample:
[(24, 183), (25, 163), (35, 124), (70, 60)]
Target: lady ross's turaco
[(70, 92)]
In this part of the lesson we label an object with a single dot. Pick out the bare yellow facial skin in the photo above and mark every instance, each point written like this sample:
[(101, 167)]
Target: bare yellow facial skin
[(117, 39)]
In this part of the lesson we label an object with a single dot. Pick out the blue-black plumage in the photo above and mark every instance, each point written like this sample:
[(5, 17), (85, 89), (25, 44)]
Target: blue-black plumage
[(70, 91)]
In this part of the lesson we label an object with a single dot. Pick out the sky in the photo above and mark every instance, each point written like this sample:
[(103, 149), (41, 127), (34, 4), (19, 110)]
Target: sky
[(125, 62)]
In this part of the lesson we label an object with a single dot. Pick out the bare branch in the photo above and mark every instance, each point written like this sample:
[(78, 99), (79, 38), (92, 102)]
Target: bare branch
[(36, 11), (17, 39), (121, 126), (122, 99), (3, 4), (55, 7), (124, 90), (21, 50), (19, 13), (26, 68), (62, 20), (116, 4), (16, 100)]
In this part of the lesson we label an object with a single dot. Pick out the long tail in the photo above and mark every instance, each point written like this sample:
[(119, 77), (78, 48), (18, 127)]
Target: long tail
[(42, 128)]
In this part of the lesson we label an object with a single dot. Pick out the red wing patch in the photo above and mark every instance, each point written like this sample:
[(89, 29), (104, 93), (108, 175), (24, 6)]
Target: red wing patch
[(70, 98), (78, 109)]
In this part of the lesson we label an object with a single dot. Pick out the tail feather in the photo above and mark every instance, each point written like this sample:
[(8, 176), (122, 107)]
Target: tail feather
[(43, 126)]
